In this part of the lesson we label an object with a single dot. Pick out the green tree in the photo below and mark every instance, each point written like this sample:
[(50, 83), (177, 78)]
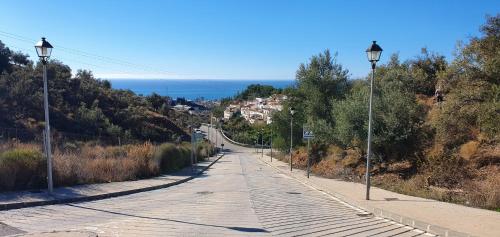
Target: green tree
[(319, 83), (471, 84), (257, 90), (351, 116), (5, 54)]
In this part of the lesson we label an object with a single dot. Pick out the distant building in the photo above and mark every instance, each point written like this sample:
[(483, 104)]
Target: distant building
[(259, 110), (231, 110), (180, 107)]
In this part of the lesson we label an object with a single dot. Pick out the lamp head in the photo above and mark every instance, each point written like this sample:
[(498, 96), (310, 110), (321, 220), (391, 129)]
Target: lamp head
[(43, 49), (374, 52)]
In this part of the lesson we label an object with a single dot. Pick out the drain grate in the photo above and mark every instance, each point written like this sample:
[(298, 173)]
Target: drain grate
[(204, 192), (367, 214), (293, 193), (391, 199)]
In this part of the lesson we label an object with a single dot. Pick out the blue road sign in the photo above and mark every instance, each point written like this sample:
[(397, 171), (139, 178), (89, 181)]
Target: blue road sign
[(307, 133)]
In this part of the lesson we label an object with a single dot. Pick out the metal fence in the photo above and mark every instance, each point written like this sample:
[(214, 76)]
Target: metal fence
[(10, 137)]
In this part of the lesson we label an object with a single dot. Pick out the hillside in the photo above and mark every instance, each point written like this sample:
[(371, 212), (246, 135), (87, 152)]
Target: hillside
[(81, 106), (449, 150)]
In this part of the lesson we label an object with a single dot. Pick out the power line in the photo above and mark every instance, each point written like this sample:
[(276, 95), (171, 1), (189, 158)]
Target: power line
[(88, 55), (71, 59), (64, 57)]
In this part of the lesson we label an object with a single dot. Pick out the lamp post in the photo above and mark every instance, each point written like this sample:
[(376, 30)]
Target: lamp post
[(271, 144), (292, 111), (373, 53), (262, 142), (221, 122), (44, 49), (216, 127), (208, 134)]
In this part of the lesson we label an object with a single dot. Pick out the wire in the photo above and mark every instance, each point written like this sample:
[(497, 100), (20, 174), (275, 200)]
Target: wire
[(88, 55), (72, 59)]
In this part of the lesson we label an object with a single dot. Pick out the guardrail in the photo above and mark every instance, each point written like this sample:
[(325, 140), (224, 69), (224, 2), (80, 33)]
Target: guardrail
[(232, 141), (235, 142)]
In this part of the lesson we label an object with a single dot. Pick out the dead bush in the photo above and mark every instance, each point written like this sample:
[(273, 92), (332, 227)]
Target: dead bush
[(352, 158), (485, 192), (468, 149), (448, 171)]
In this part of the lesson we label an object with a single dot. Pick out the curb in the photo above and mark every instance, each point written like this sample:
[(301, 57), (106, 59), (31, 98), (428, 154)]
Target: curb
[(10, 206), (407, 221)]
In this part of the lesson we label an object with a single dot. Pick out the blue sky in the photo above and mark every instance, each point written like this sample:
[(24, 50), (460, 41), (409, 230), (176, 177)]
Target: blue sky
[(238, 39)]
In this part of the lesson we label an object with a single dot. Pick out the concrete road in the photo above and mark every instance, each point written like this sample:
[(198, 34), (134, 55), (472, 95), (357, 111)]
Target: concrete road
[(238, 196)]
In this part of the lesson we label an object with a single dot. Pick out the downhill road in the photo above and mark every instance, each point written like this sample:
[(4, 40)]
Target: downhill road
[(238, 196)]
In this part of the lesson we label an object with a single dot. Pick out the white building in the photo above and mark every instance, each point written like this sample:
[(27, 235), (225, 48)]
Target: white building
[(257, 110), (230, 111)]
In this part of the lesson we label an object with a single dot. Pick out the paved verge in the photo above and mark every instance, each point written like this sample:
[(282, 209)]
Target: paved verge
[(440, 218)]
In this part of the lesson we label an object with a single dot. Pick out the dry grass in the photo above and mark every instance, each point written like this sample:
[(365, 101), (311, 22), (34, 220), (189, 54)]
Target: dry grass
[(485, 191), (22, 166), (97, 164), (418, 186), (468, 149), (473, 182)]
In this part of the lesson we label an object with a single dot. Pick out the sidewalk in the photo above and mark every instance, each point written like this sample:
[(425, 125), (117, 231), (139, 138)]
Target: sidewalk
[(440, 218), (88, 192)]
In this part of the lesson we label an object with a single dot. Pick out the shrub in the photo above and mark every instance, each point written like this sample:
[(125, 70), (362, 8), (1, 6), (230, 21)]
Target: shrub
[(484, 193), (21, 169), (95, 164), (142, 159), (468, 149), (280, 144), (172, 157), (203, 150), (68, 168), (448, 171)]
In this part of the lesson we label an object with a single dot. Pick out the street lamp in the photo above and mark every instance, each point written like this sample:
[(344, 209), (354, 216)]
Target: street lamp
[(216, 136), (271, 143), (262, 142), (292, 111), (373, 53), (221, 122), (44, 49)]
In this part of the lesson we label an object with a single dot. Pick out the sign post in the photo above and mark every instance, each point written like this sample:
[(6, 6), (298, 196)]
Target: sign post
[(271, 146), (192, 150), (308, 134), (198, 137)]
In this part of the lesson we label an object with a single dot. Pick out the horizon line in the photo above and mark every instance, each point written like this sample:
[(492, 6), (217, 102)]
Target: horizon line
[(193, 79)]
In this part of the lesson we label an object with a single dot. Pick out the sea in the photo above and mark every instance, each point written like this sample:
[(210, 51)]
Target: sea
[(207, 89)]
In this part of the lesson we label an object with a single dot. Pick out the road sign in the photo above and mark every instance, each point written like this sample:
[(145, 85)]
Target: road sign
[(307, 132), (198, 137)]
